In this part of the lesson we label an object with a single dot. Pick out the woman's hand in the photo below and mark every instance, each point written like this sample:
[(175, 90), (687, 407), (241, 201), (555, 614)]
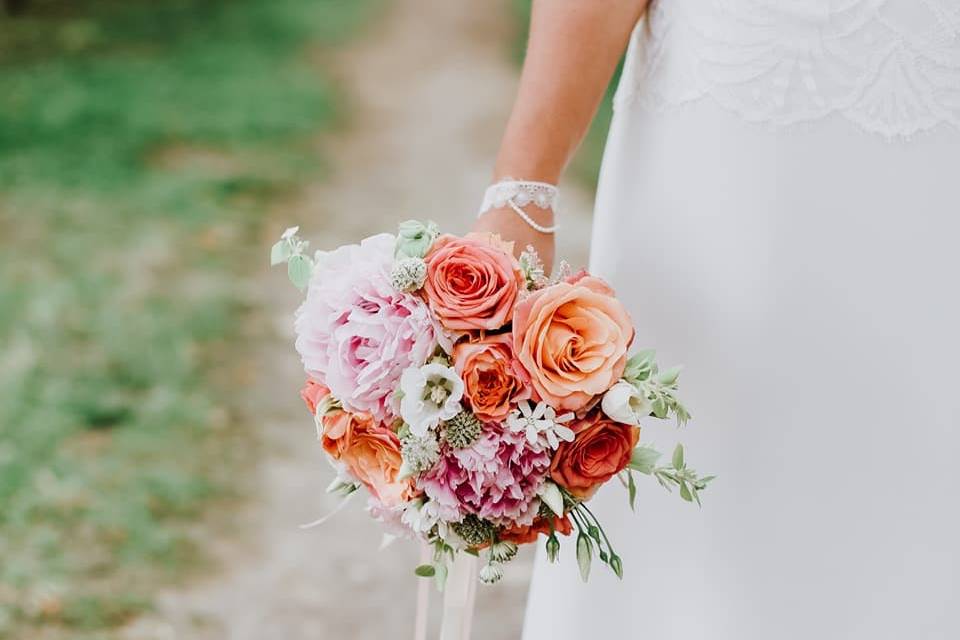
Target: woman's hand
[(573, 48), (505, 222)]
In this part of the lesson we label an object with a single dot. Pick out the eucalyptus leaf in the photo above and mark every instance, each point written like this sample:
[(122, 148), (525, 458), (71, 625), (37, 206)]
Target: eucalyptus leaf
[(299, 268), (632, 491), (685, 491), (425, 571), (678, 458), (644, 459), (670, 376), (280, 252), (660, 408)]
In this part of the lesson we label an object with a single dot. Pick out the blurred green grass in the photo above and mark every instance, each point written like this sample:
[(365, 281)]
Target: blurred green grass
[(585, 166), (140, 142)]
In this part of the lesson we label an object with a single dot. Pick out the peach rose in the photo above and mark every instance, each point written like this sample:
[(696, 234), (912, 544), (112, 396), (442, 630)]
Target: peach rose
[(525, 534), (338, 428), (373, 458), (600, 450), (492, 377), (312, 394), (472, 282), (572, 338), (371, 453)]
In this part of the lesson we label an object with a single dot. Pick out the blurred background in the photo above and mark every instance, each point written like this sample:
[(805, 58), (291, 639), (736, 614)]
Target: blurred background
[(155, 458)]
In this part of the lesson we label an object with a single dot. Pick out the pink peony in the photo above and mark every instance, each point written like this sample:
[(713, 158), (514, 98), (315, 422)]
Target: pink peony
[(356, 333), (496, 478)]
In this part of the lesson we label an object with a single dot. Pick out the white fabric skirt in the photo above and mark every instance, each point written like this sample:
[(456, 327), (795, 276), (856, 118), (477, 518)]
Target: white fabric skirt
[(809, 281)]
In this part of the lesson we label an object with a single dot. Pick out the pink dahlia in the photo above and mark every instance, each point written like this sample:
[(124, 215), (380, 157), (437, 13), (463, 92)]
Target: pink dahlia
[(496, 478), (356, 333)]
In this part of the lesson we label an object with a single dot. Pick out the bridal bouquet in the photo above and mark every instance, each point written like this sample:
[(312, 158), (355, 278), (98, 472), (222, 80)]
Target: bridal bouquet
[(478, 403)]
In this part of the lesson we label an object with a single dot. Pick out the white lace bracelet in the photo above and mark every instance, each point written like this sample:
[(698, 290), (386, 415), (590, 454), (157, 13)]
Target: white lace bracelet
[(519, 193)]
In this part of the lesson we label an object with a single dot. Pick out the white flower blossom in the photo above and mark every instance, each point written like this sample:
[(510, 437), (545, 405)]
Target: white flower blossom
[(625, 403), (540, 424), (431, 394), (421, 515)]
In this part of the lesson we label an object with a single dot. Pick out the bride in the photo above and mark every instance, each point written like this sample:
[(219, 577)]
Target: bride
[(779, 206)]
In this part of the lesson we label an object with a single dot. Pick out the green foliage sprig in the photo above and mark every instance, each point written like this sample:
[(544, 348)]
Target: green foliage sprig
[(676, 474), (291, 249), (659, 387)]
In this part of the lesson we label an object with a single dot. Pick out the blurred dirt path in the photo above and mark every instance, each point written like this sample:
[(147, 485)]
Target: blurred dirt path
[(429, 86)]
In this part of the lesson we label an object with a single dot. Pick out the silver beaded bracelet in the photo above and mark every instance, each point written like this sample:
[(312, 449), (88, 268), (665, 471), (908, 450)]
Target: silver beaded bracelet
[(519, 193)]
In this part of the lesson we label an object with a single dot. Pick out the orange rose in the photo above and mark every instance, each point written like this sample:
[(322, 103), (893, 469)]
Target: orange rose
[(492, 377), (600, 450), (572, 338), (373, 457), (528, 533), (313, 393), (371, 453), (338, 428), (472, 282)]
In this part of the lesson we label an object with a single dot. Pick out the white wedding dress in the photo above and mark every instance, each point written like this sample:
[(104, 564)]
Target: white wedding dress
[(779, 207)]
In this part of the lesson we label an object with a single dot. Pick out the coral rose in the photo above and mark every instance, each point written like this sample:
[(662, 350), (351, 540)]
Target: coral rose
[(492, 377), (572, 338), (600, 450), (370, 452), (473, 282), (313, 393), (521, 534)]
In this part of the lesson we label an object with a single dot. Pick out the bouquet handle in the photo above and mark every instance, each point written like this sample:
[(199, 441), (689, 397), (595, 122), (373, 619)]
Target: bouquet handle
[(459, 596)]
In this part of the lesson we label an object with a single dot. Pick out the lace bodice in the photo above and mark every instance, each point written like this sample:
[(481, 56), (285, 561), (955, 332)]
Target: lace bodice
[(891, 67)]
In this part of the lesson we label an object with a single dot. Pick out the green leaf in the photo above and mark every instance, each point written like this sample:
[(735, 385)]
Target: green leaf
[(425, 571), (660, 408), (632, 491), (685, 491), (584, 556), (678, 458), (280, 252), (669, 377), (299, 268), (644, 459), (696, 495), (639, 366)]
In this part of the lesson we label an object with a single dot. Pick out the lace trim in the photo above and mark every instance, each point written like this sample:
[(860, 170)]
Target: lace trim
[(892, 67), (518, 194)]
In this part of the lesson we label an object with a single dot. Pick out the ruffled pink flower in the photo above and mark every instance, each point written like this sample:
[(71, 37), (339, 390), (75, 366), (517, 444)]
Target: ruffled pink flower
[(356, 333), (496, 478)]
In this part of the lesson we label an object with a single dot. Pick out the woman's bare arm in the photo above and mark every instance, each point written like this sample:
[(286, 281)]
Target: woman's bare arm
[(573, 48)]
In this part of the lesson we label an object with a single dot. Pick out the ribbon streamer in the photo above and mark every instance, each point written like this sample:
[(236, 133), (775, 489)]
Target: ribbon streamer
[(458, 598), (423, 597)]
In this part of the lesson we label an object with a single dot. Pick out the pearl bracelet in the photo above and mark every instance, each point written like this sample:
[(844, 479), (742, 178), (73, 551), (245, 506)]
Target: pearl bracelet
[(520, 193)]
